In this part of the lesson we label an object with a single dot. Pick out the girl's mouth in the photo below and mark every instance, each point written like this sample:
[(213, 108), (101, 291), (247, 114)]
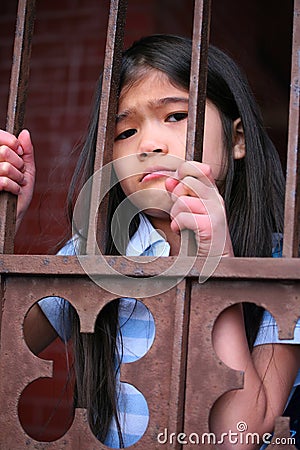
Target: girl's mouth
[(155, 173)]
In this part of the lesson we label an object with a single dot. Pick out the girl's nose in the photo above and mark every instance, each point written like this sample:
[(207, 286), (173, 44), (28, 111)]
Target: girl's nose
[(151, 148)]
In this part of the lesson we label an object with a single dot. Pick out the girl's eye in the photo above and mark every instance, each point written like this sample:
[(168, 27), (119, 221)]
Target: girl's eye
[(177, 117), (126, 134)]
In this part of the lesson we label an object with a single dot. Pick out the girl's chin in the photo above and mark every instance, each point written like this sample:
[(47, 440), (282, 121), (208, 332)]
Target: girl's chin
[(156, 203), (158, 214), (160, 208)]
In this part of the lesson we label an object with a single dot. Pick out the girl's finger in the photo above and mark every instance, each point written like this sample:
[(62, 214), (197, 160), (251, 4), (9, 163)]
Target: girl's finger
[(188, 204), (199, 223), (28, 152), (211, 235), (194, 187), (8, 185), (7, 170), (187, 171), (10, 156), (10, 141), (197, 170), (170, 184)]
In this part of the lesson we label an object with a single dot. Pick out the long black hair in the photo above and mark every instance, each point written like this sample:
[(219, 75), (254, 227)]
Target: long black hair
[(253, 190)]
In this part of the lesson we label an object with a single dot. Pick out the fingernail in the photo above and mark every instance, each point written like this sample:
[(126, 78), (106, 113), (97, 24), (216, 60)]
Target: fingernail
[(20, 150)]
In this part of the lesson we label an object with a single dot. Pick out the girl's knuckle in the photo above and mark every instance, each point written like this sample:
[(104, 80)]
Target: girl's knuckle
[(4, 152), (5, 168), (206, 169), (4, 183), (8, 139)]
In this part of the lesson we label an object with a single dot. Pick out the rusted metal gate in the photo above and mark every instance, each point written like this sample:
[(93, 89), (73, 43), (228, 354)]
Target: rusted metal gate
[(180, 376)]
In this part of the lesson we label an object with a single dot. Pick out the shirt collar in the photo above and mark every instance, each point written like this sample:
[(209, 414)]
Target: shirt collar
[(146, 241)]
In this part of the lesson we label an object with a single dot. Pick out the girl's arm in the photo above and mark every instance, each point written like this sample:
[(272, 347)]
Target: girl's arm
[(38, 332), (269, 374), (270, 370), (17, 169)]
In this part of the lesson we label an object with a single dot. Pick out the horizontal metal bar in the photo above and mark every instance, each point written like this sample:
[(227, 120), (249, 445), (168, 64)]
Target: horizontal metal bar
[(235, 268)]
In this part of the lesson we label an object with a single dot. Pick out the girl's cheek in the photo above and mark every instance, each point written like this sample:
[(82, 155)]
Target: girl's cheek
[(120, 149), (116, 152), (120, 172)]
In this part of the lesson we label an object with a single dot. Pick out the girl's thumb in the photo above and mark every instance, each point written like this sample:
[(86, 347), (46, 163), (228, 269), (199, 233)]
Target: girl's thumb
[(170, 184), (25, 141)]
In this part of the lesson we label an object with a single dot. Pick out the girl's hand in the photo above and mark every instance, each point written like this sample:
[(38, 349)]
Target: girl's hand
[(198, 206), (17, 169)]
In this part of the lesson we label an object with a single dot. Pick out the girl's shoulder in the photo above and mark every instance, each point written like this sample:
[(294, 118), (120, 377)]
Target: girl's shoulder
[(71, 247)]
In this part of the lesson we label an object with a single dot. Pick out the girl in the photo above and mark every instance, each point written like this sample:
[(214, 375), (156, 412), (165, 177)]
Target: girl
[(240, 174)]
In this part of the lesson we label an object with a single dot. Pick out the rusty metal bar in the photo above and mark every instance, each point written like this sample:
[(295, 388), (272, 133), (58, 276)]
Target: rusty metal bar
[(16, 110), (197, 91), (106, 126), (292, 208), (207, 376), (14, 122), (194, 146), (235, 268), (282, 434), (197, 97), (157, 375)]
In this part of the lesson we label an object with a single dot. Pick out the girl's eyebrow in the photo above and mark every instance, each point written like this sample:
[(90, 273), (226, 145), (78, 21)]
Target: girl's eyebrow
[(153, 103), (167, 100)]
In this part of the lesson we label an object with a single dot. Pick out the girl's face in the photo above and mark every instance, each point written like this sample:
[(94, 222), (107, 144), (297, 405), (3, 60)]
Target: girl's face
[(150, 140)]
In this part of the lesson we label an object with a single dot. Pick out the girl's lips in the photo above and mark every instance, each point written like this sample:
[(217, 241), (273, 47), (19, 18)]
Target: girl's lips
[(157, 174)]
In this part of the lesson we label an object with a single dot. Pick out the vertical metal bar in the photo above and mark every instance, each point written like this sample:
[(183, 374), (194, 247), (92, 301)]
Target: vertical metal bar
[(107, 114), (16, 110), (197, 92), (197, 96), (195, 131), (14, 122), (292, 208)]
